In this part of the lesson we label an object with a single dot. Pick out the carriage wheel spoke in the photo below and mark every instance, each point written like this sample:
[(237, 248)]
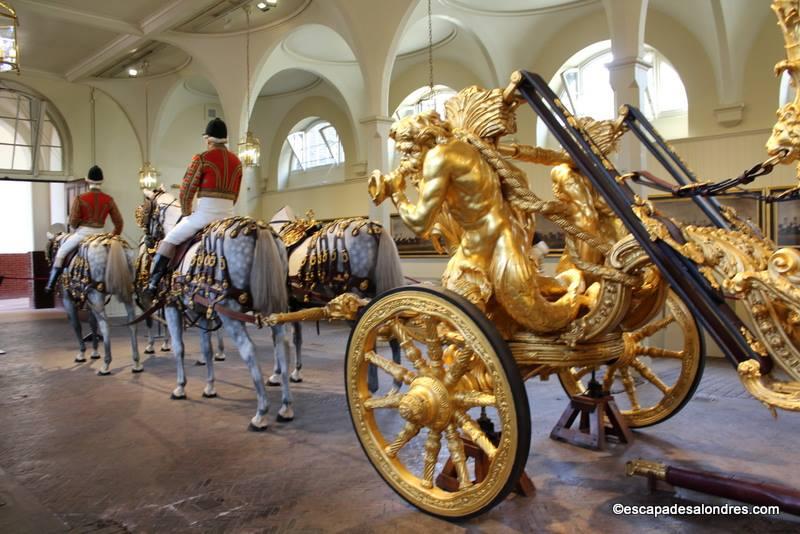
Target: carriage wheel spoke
[(389, 401), (657, 352), (407, 434), (406, 341), (650, 376), (432, 446), (457, 456), (652, 328), (630, 388), (580, 373), (474, 432), (608, 379), (398, 372), (432, 340), (472, 399), (459, 367)]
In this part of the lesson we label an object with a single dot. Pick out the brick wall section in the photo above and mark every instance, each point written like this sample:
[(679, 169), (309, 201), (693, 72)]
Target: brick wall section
[(18, 265)]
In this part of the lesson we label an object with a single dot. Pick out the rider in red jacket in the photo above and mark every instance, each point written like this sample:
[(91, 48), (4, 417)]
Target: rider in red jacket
[(215, 177), (87, 216)]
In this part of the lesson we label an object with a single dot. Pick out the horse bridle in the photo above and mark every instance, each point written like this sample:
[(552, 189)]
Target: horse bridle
[(155, 219)]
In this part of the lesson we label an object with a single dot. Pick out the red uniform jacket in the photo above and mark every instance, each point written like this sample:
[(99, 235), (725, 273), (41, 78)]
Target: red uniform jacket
[(214, 173), (92, 208)]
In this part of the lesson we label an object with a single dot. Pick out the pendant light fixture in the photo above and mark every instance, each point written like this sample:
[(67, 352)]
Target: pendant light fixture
[(9, 48), (148, 175), (249, 145)]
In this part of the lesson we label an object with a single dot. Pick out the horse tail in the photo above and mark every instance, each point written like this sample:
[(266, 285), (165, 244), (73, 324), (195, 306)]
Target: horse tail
[(269, 273), (119, 281), (388, 271)]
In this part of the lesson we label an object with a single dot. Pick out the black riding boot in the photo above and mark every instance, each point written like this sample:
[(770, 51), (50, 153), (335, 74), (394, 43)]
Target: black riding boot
[(160, 264), (55, 272)]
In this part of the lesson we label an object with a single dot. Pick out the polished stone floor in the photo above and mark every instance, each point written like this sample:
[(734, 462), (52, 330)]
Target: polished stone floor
[(84, 453)]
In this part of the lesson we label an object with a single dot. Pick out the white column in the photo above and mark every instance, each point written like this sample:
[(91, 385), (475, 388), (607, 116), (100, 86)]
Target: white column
[(376, 134), (628, 78), (628, 71)]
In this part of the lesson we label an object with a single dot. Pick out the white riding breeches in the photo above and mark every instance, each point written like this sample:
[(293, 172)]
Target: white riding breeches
[(72, 241), (208, 210)]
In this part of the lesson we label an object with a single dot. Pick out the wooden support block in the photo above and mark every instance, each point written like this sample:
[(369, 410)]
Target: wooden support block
[(592, 431)]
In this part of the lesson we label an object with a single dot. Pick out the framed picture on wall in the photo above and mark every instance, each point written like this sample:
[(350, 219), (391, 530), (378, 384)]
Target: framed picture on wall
[(685, 210), (410, 244), (551, 234), (784, 220)]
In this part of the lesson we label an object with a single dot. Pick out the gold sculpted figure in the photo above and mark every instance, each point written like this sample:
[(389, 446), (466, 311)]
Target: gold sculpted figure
[(461, 196), (785, 136)]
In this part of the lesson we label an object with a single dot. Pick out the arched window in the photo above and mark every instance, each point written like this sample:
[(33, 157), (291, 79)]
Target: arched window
[(30, 141), (314, 144), (312, 154), (584, 86), (422, 100)]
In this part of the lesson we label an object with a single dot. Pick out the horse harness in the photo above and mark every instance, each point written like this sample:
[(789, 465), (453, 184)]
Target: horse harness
[(326, 264), (77, 277), (207, 281)]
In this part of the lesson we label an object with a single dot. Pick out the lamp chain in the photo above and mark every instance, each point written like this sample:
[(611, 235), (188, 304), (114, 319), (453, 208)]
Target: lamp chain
[(430, 47), (247, 61), (146, 122)]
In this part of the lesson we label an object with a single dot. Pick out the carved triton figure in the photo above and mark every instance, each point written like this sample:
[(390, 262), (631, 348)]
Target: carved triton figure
[(461, 196)]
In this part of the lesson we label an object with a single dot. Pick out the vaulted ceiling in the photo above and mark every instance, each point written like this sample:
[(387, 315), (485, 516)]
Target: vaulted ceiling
[(79, 39), (84, 38)]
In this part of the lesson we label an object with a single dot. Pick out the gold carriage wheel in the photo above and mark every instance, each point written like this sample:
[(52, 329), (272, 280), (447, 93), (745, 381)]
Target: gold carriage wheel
[(460, 371), (669, 376)]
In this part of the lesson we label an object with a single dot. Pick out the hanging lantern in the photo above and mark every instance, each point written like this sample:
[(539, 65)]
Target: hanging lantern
[(249, 145), (9, 49), (249, 150), (148, 177)]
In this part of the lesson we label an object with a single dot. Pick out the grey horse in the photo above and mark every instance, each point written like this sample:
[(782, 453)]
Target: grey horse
[(256, 262), (109, 263), (372, 267)]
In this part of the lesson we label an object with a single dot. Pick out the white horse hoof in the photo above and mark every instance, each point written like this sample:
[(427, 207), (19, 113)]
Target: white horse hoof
[(220, 356), (104, 371), (178, 393), (165, 348), (209, 392), (258, 423), (137, 367), (199, 363), (80, 358), (274, 380), (95, 355), (296, 377), (285, 414)]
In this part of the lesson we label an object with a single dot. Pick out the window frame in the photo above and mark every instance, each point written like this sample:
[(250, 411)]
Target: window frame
[(651, 93), (318, 124), (39, 111)]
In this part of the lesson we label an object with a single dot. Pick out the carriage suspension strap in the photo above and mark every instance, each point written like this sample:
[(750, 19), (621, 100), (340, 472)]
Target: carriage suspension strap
[(710, 189)]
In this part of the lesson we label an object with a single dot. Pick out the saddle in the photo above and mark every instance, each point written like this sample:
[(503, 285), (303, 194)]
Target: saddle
[(295, 232), (183, 248)]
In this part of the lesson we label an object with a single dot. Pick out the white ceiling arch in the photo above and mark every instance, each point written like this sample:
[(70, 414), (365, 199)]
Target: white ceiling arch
[(292, 65), (292, 80)]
